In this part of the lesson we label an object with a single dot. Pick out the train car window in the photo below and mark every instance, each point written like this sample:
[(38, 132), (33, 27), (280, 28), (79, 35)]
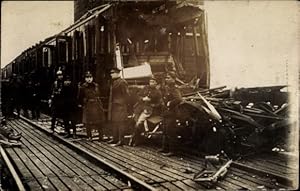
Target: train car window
[(47, 59)]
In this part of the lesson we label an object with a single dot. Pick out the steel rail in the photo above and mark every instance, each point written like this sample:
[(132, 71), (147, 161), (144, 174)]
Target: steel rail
[(238, 165), (135, 182), (280, 179), (12, 170)]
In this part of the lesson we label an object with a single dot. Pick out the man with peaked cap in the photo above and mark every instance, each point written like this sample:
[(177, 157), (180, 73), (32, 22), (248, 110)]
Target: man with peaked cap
[(69, 97), (56, 100), (93, 112), (172, 98), (119, 101)]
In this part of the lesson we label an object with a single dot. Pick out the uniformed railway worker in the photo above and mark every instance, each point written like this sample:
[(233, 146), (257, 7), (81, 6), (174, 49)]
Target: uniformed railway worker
[(89, 99), (150, 104), (172, 98), (119, 110)]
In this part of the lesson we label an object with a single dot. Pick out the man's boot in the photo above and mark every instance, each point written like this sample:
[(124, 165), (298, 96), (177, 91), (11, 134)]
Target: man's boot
[(74, 132), (112, 141), (67, 128), (171, 145), (121, 136), (100, 131), (119, 143), (53, 120), (164, 147), (134, 137), (131, 140)]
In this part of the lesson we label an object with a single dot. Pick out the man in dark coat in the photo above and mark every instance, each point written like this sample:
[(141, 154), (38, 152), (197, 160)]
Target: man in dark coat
[(69, 97), (150, 104), (28, 97), (36, 100), (93, 112), (172, 98), (15, 88), (56, 101), (119, 101)]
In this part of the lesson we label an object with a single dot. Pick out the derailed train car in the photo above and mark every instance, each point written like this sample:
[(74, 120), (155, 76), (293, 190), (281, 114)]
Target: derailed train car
[(168, 35), (165, 35)]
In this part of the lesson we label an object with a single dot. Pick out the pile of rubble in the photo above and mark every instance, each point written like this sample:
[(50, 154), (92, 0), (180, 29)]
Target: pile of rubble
[(240, 121)]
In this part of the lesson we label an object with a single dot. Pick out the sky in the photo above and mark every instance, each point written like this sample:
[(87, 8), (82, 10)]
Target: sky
[(25, 23), (251, 43)]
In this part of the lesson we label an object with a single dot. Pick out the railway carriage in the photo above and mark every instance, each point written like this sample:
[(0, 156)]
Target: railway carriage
[(165, 34), (144, 38)]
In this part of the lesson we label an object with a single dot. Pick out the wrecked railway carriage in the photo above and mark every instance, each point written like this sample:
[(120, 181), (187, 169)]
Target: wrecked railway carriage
[(145, 38)]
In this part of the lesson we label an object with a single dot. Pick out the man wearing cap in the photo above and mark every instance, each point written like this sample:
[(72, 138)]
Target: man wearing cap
[(69, 97), (56, 101), (150, 104), (172, 98), (119, 101), (93, 112)]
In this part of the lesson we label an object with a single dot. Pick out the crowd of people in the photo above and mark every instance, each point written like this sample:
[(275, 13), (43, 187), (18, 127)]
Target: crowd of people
[(158, 100)]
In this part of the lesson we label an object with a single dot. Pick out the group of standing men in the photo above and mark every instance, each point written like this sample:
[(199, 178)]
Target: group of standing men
[(65, 105), (154, 99), (19, 93)]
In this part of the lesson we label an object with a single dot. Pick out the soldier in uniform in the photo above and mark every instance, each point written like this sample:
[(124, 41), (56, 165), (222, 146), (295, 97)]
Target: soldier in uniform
[(150, 104), (56, 101), (172, 98), (119, 112), (89, 99)]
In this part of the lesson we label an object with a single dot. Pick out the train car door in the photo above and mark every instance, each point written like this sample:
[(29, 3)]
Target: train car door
[(64, 54)]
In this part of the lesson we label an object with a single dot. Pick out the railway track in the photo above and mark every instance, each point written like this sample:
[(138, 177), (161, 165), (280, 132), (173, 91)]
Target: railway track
[(46, 163), (146, 165)]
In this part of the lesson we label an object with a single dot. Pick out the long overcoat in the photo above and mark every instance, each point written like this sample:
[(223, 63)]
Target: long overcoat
[(57, 106), (120, 95), (89, 96)]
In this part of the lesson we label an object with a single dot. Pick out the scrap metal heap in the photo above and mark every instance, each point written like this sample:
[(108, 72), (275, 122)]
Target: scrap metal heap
[(239, 122)]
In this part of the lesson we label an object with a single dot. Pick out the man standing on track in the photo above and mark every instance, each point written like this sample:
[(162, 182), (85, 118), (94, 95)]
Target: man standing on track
[(89, 100), (56, 101), (119, 112), (172, 98), (69, 97)]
